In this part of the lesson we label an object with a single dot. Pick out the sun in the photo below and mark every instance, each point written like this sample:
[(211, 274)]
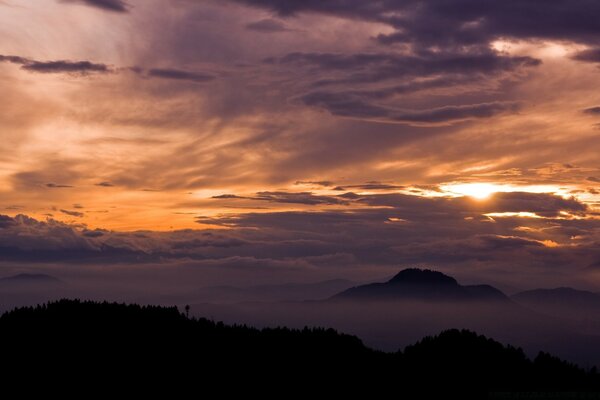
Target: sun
[(480, 191)]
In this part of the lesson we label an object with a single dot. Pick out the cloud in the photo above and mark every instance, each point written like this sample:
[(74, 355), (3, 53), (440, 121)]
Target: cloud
[(118, 6), (177, 74), (375, 67), (459, 23), (346, 106), (317, 183), (371, 231), (371, 186), (543, 204), (299, 198), (60, 66), (57, 186), (104, 184), (72, 213), (371, 85), (14, 59), (88, 67), (592, 110), (267, 25), (307, 198), (590, 55)]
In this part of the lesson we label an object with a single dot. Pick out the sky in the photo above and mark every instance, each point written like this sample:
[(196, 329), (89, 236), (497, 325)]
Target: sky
[(270, 140)]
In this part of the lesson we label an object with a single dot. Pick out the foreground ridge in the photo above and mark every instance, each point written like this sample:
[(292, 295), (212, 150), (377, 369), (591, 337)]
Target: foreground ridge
[(164, 346)]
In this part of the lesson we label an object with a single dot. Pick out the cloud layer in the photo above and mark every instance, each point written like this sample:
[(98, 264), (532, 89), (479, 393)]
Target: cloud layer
[(319, 138)]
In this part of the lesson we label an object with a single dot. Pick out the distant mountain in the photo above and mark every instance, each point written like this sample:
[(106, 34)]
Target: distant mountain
[(422, 284), (115, 346), (29, 278), (560, 296), (563, 302)]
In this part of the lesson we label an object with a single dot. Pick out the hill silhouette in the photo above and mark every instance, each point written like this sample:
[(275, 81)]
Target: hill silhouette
[(422, 284), (108, 345)]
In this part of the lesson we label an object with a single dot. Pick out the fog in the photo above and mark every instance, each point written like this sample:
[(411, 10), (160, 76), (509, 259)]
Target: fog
[(382, 325)]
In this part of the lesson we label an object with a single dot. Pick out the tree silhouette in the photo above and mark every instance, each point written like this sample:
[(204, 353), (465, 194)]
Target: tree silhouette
[(112, 346)]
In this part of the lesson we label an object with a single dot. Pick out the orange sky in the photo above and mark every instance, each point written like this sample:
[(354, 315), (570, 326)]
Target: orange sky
[(162, 115)]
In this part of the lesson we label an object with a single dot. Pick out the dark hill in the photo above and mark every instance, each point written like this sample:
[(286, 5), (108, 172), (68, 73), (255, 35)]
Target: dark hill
[(108, 346), (560, 296), (418, 284)]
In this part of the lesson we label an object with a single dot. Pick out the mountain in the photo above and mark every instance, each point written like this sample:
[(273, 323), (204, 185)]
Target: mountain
[(560, 297), (422, 284), (563, 302), (147, 348), (29, 278)]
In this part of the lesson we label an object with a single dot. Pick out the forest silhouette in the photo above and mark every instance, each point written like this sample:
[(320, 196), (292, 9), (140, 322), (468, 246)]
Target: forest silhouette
[(101, 344)]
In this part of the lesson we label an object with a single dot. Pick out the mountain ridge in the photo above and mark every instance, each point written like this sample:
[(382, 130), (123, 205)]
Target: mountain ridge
[(422, 284)]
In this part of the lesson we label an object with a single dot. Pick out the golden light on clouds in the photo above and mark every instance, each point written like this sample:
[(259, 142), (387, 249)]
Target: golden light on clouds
[(478, 191)]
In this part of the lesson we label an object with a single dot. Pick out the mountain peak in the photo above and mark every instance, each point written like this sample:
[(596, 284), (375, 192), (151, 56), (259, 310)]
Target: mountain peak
[(422, 277), (422, 284)]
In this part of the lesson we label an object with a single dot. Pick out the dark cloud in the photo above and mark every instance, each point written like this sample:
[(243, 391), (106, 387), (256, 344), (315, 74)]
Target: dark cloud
[(72, 213), (497, 242), (108, 5), (592, 110), (590, 55), (105, 184), (14, 59), (60, 66), (459, 23), (542, 204), (370, 85), (228, 196), (343, 105), (307, 198), (371, 186), (6, 221), (298, 198), (375, 67), (593, 179), (177, 74), (267, 25), (88, 67), (57, 186), (318, 183), (93, 234)]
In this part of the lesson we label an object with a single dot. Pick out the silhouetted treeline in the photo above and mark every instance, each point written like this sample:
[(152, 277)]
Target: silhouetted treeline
[(109, 345)]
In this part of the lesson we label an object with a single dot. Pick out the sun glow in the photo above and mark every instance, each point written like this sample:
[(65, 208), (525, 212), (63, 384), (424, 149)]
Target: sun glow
[(480, 191)]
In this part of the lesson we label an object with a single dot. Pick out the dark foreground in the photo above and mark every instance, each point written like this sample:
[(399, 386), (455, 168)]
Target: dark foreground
[(106, 346)]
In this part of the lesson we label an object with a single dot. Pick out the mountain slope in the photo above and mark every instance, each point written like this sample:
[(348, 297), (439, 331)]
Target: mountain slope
[(149, 347), (566, 303)]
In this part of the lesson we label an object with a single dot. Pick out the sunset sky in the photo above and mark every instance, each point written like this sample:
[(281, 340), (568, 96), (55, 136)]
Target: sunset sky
[(302, 139)]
